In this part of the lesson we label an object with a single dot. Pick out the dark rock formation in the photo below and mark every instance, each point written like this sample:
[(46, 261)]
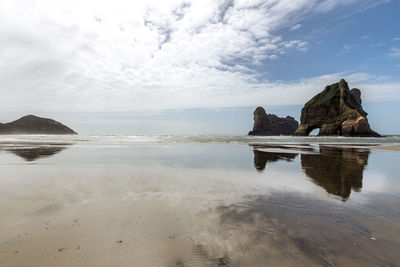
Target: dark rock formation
[(336, 110), (34, 125), (270, 124)]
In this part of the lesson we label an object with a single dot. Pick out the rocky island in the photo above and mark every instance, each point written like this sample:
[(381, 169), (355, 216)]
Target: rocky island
[(336, 111), (270, 124), (34, 125)]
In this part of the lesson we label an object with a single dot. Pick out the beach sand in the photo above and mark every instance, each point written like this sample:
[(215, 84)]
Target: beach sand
[(385, 147), (197, 205)]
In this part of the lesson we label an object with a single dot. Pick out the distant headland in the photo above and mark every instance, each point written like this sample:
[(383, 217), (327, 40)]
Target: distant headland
[(31, 124)]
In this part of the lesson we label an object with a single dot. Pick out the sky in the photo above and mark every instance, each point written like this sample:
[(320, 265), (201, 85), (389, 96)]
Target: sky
[(193, 66)]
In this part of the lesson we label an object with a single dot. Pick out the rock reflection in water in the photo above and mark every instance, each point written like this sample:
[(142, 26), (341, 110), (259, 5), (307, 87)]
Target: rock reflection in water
[(261, 158), (337, 169), (37, 151)]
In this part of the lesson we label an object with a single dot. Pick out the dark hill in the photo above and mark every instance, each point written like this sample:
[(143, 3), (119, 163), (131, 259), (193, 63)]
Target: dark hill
[(34, 125)]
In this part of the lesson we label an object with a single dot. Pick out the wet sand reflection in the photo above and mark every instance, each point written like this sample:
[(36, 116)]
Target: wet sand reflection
[(336, 169), (262, 158), (298, 231), (188, 206), (34, 151)]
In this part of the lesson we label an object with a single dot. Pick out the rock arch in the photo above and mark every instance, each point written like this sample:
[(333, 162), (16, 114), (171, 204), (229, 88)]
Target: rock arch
[(336, 110)]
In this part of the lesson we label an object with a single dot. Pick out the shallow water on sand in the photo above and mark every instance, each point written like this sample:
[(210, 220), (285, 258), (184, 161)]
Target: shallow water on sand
[(97, 201)]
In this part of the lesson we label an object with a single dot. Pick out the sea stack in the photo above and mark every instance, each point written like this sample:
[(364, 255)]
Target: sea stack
[(34, 125), (336, 111), (270, 124)]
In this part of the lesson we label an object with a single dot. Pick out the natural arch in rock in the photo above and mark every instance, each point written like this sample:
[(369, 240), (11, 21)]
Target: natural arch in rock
[(336, 110)]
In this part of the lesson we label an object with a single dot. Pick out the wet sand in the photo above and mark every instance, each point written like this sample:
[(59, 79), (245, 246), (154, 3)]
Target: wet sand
[(380, 147), (199, 205), (385, 147)]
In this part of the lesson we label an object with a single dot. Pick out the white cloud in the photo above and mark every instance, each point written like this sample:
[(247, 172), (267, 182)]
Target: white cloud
[(325, 6), (347, 48), (139, 55), (377, 45), (394, 52), (328, 5), (296, 27)]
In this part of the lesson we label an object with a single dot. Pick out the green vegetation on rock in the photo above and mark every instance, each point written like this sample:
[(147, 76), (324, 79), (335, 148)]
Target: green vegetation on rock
[(330, 95)]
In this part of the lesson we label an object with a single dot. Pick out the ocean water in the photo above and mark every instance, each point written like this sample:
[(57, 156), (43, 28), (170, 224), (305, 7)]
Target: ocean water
[(165, 139), (208, 200)]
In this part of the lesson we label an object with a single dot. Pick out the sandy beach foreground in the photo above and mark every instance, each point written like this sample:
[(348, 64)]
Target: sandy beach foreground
[(96, 204)]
